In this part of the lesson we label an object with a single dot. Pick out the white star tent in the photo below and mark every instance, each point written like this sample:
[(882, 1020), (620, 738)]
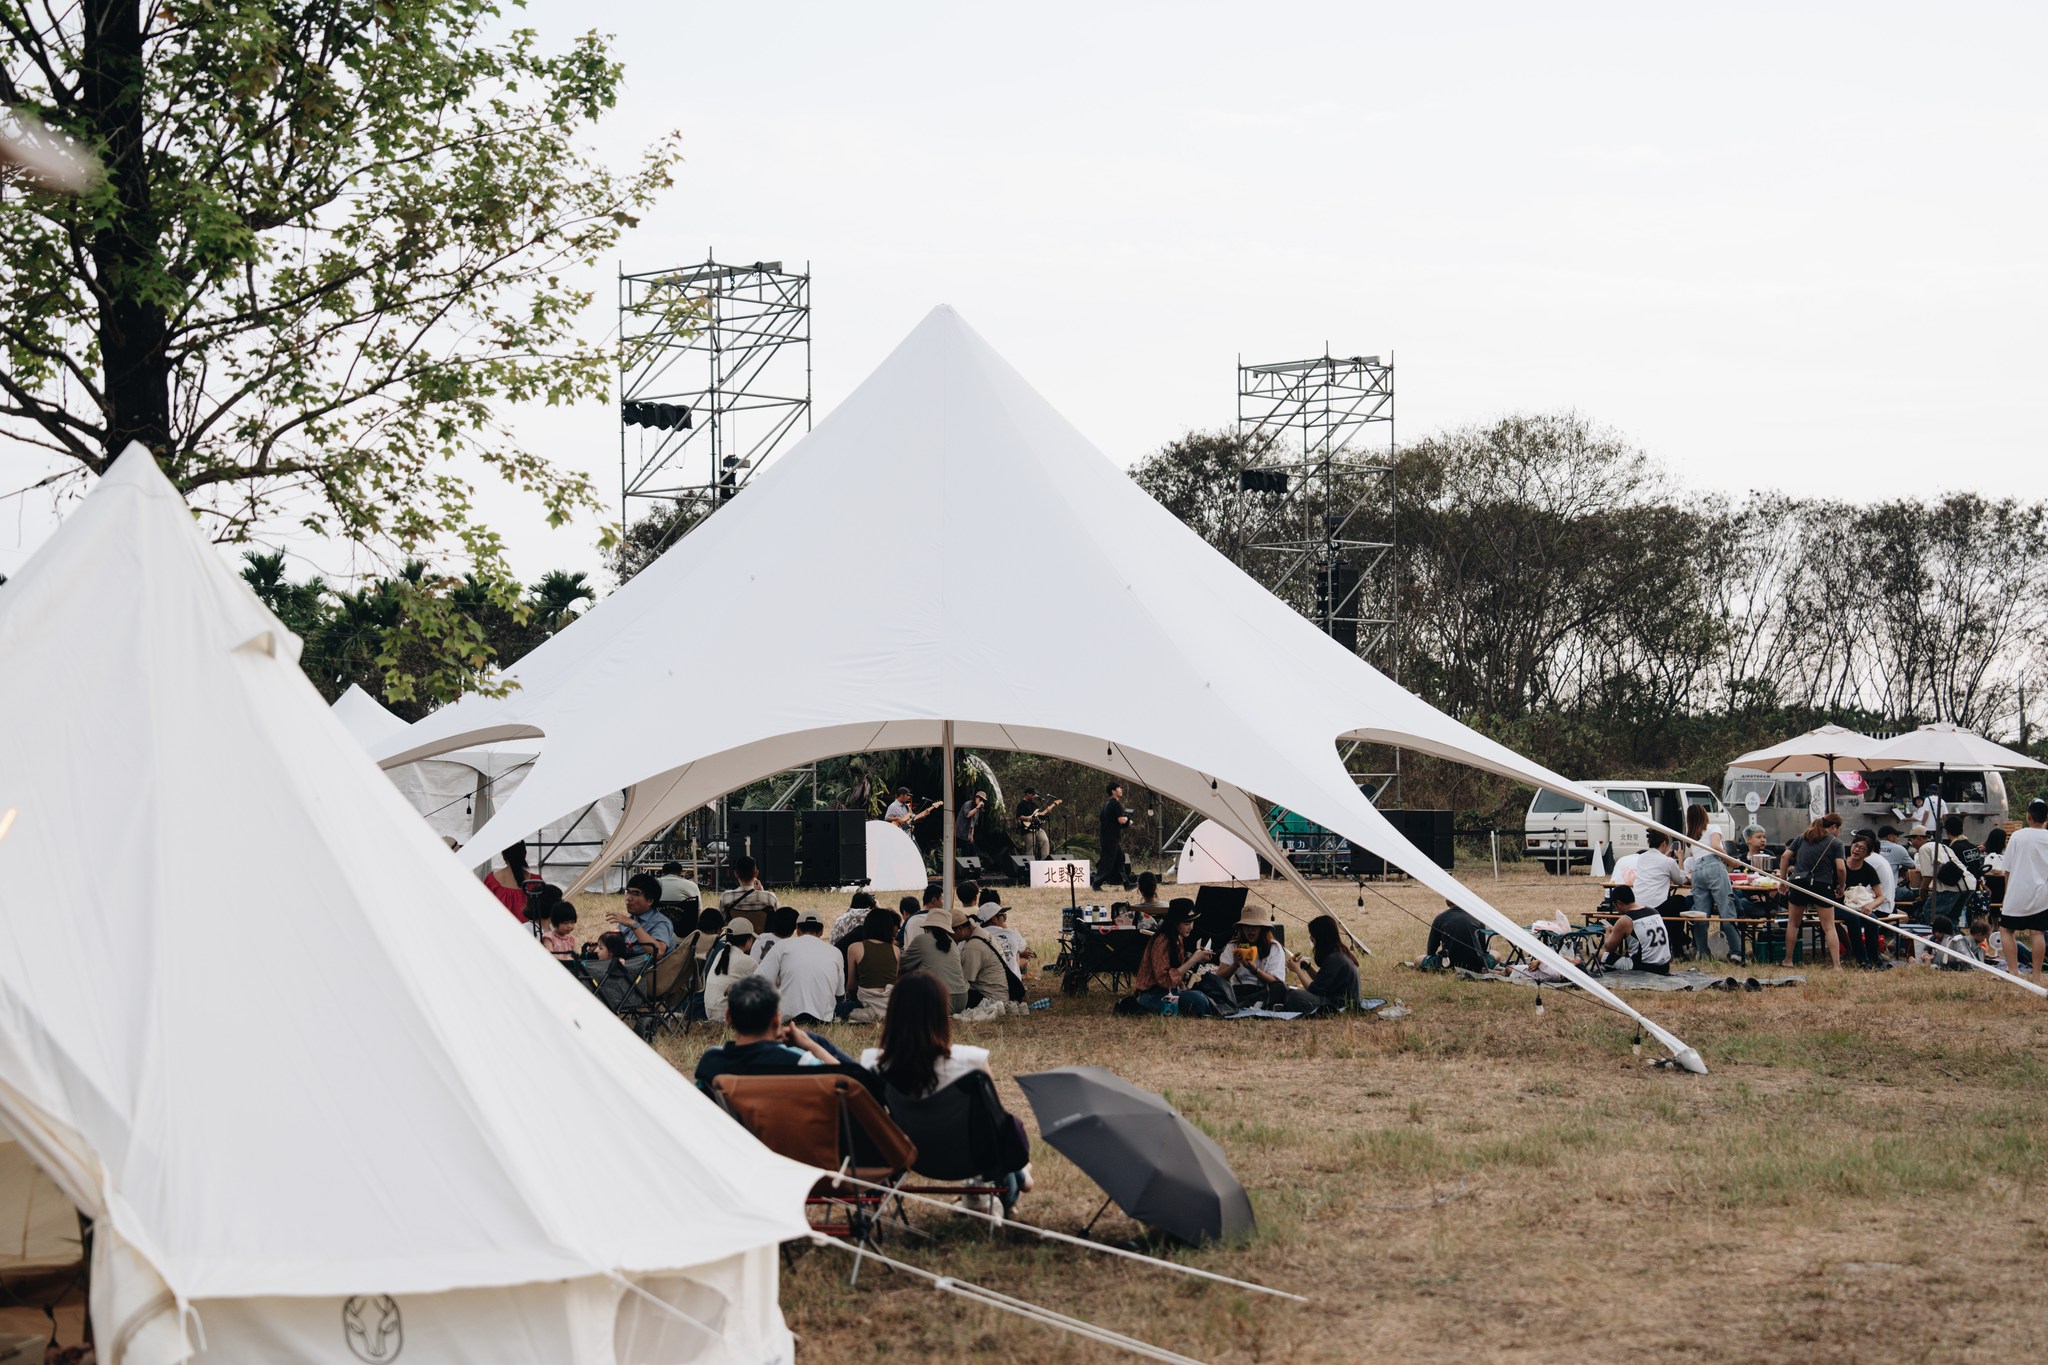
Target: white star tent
[(320, 1095), (457, 792), (852, 579)]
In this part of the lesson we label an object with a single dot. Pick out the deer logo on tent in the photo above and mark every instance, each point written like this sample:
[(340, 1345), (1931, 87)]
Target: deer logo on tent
[(371, 1326)]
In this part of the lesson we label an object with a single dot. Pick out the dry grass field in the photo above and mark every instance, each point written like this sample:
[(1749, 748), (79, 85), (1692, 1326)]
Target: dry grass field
[(1858, 1179)]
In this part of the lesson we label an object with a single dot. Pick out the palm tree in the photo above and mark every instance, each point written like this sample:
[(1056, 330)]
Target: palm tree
[(554, 599)]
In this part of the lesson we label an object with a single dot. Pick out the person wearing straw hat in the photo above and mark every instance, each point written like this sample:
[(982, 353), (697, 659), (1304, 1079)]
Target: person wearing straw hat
[(1254, 970)]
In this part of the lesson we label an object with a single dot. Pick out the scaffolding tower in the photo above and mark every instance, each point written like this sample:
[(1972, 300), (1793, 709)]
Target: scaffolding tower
[(714, 373), (1318, 489)]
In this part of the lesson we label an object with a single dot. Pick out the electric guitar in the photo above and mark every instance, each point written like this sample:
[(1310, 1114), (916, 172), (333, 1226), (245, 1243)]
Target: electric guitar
[(908, 821), (1031, 821)]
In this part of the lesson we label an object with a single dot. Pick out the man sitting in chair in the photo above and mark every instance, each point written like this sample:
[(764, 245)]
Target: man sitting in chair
[(760, 1040), (1638, 936)]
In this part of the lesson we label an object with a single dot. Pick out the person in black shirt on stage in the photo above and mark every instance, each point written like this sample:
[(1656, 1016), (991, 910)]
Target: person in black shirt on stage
[(1114, 817), (1031, 825)]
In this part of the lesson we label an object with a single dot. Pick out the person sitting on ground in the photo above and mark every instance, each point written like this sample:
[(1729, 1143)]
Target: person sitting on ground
[(932, 949), (748, 897), (1638, 937), (806, 971), (761, 1041), (781, 929), (933, 904), (919, 1058), (1328, 970), (1148, 907), (695, 947), (681, 898), (2024, 913), (873, 962), (980, 962), (1456, 940), (1254, 972), (846, 928), (995, 920), (1863, 878), (1170, 962), (508, 883), (642, 930), (1712, 892), (729, 962), (560, 938), (1961, 944)]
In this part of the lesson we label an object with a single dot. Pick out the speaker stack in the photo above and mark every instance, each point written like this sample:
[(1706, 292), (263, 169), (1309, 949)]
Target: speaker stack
[(769, 836), (835, 847), (1428, 830)]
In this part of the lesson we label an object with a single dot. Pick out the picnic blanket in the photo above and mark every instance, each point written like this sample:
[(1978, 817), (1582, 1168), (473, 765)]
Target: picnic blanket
[(1692, 979)]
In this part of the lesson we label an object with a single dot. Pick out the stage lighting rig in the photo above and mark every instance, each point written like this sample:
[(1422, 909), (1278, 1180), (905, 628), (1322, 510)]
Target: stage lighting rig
[(660, 416)]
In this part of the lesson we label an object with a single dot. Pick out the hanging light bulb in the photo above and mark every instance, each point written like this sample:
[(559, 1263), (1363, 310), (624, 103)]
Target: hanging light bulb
[(1539, 1000), (1637, 1046)]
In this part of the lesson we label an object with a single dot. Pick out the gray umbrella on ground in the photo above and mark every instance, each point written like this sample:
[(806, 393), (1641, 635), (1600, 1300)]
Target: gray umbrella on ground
[(1159, 1168)]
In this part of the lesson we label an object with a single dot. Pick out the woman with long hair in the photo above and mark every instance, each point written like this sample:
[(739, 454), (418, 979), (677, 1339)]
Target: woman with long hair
[(1815, 865), (1328, 969), (872, 966), (1712, 891), (508, 883), (919, 1058), (1168, 963)]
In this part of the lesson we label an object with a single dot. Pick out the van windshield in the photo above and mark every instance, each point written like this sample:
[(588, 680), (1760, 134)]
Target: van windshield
[(1550, 803), (1740, 789)]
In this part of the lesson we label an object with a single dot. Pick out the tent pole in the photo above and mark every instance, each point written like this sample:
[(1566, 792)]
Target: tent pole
[(946, 813)]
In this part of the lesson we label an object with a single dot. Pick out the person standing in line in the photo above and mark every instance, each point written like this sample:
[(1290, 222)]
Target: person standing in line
[(1111, 823), (2026, 889)]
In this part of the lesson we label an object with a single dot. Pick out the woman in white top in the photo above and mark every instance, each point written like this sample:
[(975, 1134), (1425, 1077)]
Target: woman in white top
[(919, 1057), (1711, 889)]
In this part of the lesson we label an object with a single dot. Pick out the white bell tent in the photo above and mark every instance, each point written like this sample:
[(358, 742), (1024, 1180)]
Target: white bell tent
[(457, 792), (946, 455), (1213, 854), (320, 1095)]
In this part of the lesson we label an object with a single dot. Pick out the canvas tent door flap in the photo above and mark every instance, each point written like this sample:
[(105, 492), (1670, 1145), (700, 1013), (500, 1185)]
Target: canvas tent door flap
[(39, 1232)]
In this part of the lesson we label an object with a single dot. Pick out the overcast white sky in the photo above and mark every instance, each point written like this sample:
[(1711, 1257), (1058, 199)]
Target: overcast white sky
[(1779, 246)]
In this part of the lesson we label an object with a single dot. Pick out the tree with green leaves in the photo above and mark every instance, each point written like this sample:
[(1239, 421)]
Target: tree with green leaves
[(329, 245)]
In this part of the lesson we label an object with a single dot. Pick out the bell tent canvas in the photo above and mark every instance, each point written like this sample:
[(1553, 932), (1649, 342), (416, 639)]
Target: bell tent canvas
[(318, 1093), (946, 445)]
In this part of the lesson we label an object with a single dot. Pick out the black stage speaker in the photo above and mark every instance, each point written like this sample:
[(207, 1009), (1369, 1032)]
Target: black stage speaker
[(770, 837), (1428, 830), (835, 847)]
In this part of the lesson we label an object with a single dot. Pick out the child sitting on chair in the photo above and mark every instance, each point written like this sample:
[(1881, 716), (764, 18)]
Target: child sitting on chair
[(559, 937)]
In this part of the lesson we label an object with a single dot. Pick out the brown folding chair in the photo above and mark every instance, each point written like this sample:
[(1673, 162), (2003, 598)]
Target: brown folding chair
[(826, 1118)]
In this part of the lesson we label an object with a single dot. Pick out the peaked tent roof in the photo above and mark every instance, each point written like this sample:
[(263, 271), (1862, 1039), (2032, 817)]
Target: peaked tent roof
[(370, 721), (342, 1070), (946, 446)]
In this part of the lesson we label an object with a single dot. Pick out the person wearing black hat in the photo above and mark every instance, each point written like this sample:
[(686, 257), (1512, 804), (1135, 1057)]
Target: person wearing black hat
[(1170, 963), (1031, 825)]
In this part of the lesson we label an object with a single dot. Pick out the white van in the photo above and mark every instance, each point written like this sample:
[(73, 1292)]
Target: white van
[(1562, 832)]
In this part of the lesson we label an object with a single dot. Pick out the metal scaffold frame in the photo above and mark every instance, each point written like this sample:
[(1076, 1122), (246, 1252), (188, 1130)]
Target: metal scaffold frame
[(728, 345)]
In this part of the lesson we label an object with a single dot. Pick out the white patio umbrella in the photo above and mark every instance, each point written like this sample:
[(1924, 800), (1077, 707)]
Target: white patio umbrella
[(1822, 750), (1948, 745)]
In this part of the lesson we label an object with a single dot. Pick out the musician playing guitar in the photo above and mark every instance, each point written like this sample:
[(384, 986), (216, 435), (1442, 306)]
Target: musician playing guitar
[(1031, 824), (900, 814)]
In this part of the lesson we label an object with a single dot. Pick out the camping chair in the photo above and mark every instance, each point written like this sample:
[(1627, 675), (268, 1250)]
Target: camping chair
[(955, 1135), (828, 1118), (625, 985), (658, 994), (1094, 952)]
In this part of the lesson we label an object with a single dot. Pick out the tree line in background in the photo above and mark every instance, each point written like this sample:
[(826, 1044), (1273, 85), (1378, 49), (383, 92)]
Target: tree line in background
[(363, 636), (1557, 591)]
